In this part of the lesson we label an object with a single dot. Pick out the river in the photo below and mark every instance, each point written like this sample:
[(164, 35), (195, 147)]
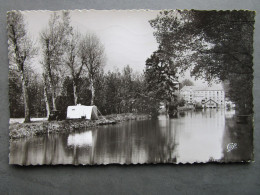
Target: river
[(202, 136)]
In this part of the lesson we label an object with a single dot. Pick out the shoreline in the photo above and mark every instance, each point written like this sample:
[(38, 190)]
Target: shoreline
[(21, 130)]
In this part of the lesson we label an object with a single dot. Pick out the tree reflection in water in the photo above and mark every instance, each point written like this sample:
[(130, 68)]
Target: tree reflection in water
[(194, 137)]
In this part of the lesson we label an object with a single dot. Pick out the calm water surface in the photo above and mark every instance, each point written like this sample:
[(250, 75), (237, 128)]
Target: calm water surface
[(196, 137)]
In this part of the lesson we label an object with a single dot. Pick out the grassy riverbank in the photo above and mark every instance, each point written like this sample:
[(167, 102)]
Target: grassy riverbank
[(18, 130)]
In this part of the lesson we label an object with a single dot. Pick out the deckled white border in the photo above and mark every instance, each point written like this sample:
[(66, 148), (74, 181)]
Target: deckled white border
[(154, 163), (123, 10)]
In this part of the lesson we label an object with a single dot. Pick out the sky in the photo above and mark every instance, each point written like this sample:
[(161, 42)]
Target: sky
[(126, 35)]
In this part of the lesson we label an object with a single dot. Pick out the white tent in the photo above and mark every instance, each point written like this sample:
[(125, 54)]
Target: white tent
[(81, 111), (80, 139)]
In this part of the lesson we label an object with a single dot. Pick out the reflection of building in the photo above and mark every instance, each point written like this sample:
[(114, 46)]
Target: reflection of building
[(208, 96)]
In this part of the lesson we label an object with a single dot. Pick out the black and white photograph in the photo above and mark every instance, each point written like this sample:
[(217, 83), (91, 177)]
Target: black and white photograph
[(97, 87)]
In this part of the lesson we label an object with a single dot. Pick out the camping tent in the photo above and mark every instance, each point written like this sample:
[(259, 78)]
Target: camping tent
[(81, 111)]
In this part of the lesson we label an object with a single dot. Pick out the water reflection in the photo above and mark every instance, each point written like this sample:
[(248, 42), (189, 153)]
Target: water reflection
[(82, 139), (193, 137), (199, 136)]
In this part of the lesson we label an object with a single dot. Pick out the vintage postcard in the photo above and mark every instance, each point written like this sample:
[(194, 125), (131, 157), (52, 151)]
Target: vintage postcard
[(89, 87)]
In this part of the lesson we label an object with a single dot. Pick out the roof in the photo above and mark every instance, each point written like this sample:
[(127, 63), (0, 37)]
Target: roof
[(211, 100)]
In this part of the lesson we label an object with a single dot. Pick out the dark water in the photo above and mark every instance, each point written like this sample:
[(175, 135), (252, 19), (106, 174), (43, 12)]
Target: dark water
[(196, 137)]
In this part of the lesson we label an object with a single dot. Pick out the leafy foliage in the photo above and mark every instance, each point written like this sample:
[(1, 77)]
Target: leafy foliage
[(161, 75), (186, 82), (213, 45), (54, 42), (92, 56), (20, 53)]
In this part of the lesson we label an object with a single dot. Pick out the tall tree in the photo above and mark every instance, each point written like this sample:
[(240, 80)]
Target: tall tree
[(45, 92), (93, 57), (112, 92), (16, 103), (100, 96), (214, 45), (21, 50), (161, 77), (72, 61), (126, 89), (54, 42), (36, 95)]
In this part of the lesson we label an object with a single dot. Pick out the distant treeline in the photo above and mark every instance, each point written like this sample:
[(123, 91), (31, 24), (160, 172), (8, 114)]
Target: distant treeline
[(115, 92)]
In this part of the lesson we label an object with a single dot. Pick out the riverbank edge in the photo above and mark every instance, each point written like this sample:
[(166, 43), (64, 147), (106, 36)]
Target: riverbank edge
[(20, 130)]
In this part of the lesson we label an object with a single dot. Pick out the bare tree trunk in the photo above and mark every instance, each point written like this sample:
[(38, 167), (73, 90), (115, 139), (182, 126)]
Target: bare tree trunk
[(27, 117), (46, 101), (48, 109), (75, 93), (53, 100), (92, 91), (53, 95)]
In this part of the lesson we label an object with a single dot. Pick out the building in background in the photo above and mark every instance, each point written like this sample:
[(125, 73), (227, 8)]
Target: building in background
[(210, 97)]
